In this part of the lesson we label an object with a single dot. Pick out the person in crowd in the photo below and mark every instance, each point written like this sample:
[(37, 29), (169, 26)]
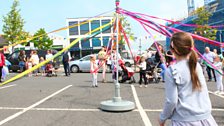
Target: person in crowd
[(210, 57), (42, 68), (65, 62), (49, 55), (215, 51), (102, 56), (187, 101), (142, 72), (93, 70), (2, 63), (160, 58), (29, 65), (35, 60), (218, 75), (22, 60)]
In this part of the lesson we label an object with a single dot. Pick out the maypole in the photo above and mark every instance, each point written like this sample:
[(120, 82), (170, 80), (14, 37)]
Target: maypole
[(117, 104)]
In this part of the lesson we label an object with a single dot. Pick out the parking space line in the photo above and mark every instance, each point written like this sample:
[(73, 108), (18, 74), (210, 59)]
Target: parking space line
[(143, 114), (32, 106), (221, 96), (65, 109), (7, 86)]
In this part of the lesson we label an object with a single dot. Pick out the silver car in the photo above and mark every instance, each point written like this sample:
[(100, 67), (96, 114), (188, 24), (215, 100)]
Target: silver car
[(83, 64)]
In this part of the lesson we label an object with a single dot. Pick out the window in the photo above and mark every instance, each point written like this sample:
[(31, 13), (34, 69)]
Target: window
[(95, 24), (96, 42), (86, 58), (85, 44), (73, 30), (105, 40), (84, 28), (106, 22), (76, 45)]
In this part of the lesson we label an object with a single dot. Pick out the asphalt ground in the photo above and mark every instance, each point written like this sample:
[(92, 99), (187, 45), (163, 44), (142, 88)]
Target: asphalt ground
[(71, 101)]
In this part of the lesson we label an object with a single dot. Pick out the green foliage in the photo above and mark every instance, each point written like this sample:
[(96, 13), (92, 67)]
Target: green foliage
[(127, 28), (203, 16), (43, 42), (13, 25)]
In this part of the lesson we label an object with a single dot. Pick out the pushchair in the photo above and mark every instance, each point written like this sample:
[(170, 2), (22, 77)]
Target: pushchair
[(50, 71), (126, 73), (153, 73)]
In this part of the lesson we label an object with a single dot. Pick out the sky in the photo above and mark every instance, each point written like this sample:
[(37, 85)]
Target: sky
[(52, 14)]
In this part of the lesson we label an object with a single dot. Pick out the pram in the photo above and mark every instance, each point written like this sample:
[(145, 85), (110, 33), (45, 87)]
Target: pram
[(127, 73), (50, 71), (152, 71)]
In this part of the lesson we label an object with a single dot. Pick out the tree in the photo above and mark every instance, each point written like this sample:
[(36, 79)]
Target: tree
[(13, 25), (203, 16), (127, 28), (42, 42)]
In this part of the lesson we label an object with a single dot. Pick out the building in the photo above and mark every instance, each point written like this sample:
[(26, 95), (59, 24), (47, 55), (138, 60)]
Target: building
[(216, 7), (87, 46), (59, 42)]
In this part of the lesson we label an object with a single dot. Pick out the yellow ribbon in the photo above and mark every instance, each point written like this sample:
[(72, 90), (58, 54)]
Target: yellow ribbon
[(56, 55)]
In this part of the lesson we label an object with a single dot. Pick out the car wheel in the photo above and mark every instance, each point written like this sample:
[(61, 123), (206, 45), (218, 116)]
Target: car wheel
[(127, 64), (74, 69)]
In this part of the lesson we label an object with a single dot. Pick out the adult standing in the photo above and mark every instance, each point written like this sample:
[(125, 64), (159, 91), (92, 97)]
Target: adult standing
[(65, 62), (35, 60), (210, 57), (160, 58), (22, 60), (49, 55), (103, 60), (2, 63), (187, 100)]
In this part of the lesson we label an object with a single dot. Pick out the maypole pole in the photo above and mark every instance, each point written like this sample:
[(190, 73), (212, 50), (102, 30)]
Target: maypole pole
[(117, 104)]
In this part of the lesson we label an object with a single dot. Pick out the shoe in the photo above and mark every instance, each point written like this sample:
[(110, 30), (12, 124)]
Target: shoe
[(217, 92), (146, 86), (96, 86), (140, 86), (209, 80), (93, 86)]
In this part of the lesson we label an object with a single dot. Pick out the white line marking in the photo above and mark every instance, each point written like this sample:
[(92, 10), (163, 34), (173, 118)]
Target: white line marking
[(7, 86), (143, 114), (65, 109), (221, 96), (32, 106)]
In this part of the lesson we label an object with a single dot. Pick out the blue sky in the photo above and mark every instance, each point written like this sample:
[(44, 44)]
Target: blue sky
[(52, 14)]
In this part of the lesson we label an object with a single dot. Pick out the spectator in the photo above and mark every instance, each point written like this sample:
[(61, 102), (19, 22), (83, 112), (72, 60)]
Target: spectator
[(160, 58), (22, 60), (65, 62), (218, 75), (187, 101), (49, 55), (170, 60), (215, 51), (35, 60), (210, 57), (2, 63)]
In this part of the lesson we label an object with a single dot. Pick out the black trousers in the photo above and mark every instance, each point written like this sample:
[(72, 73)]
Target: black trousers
[(143, 75), (66, 68), (208, 69), (1, 73)]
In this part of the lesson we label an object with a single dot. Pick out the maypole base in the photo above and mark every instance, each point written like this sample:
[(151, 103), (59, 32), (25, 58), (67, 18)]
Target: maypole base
[(117, 106)]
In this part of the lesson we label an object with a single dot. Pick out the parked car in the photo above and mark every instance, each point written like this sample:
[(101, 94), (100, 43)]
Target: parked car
[(83, 64)]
